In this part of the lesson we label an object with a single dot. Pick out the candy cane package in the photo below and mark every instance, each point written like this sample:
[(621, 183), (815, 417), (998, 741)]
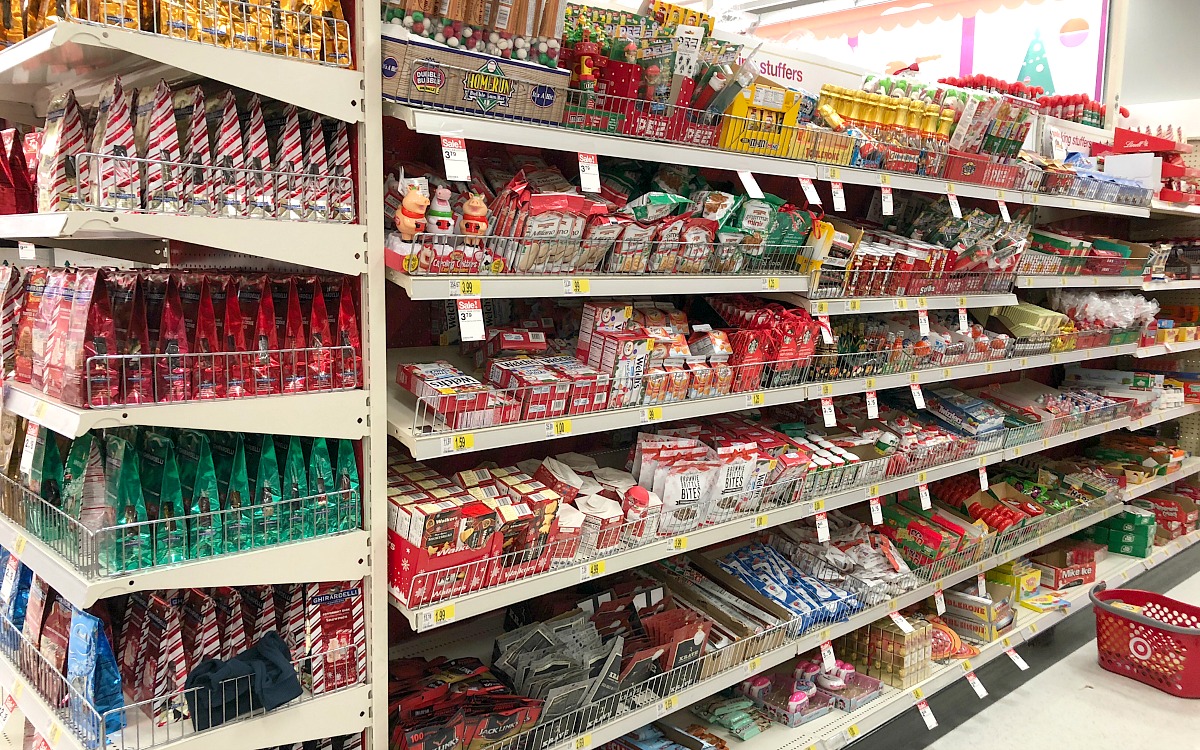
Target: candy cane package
[(230, 161), (290, 195), (197, 188), (57, 183), (113, 179), (260, 198), (157, 138), (337, 635)]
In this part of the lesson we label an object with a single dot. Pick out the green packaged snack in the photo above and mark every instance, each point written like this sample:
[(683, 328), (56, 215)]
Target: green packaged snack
[(164, 499), (201, 498), (320, 512), (131, 547), (233, 489), (297, 504), (267, 523), (83, 484), (45, 481), (349, 506)]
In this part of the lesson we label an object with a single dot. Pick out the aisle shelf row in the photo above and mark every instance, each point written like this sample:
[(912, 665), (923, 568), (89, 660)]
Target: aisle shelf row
[(446, 611), (329, 246), (477, 638), (1171, 285), (1189, 468), (515, 286), (513, 133), (1057, 282), (852, 306), (402, 409), (838, 728), (82, 56), (1158, 416), (332, 414), (1158, 350), (1160, 207), (310, 717)]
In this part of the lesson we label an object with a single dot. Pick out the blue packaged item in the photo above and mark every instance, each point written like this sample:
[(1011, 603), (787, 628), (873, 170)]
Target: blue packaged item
[(94, 678), (14, 595)]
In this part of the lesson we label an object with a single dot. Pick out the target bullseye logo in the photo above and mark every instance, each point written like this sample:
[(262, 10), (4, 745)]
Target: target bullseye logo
[(1139, 648)]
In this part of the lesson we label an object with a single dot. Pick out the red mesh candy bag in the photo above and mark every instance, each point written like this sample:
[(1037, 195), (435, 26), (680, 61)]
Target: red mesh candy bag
[(209, 366), (320, 355), (91, 377), (347, 372), (265, 354), (295, 364), (237, 360), (171, 363)]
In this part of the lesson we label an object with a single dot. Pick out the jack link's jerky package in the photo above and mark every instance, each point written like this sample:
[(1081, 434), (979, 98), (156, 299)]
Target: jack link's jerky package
[(92, 671), (296, 499), (164, 499), (337, 635), (349, 508), (131, 549), (157, 136), (198, 477), (113, 180), (65, 137), (290, 195), (84, 486), (260, 197), (233, 486), (197, 190), (230, 161), (268, 510)]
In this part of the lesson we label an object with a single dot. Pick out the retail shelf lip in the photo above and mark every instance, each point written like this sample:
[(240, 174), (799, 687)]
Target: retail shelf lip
[(856, 306), (1190, 467), (1084, 204), (1056, 282), (1162, 286), (517, 133), (81, 56), (335, 414), (1158, 416), (599, 285), (1158, 350), (329, 246), (1174, 209), (337, 557), (900, 181)]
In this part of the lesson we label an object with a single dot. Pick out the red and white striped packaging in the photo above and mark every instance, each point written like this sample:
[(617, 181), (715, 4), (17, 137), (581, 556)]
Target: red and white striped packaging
[(336, 635), (260, 193), (11, 296), (258, 609), (341, 191), (201, 637), (231, 622), (168, 658), (65, 136), (289, 613), (157, 138), (290, 195), (316, 166), (230, 177), (113, 179), (197, 191)]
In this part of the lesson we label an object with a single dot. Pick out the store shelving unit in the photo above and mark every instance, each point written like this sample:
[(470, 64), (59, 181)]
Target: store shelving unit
[(1158, 416), (851, 306), (1158, 350), (1058, 282)]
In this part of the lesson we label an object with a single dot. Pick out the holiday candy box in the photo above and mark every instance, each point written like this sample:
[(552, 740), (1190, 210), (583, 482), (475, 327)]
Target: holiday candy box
[(421, 71)]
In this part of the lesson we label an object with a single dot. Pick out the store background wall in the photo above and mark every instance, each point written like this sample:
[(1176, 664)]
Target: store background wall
[(1161, 88)]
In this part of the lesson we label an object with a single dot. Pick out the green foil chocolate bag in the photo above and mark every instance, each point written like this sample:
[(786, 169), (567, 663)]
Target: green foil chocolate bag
[(321, 510), (268, 524), (84, 486), (201, 497), (131, 547), (349, 505), (233, 489), (46, 481), (297, 502), (161, 486)]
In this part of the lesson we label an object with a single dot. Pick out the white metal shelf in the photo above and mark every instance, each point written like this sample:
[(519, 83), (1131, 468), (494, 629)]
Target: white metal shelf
[(485, 600), (1162, 208), (1174, 284), (339, 557), (1158, 416), (1190, 467), (837, 728), (600, 285), (334, 414), (82, 56), (855, 306), (330, 246), (1159, 350), (1057, 282)]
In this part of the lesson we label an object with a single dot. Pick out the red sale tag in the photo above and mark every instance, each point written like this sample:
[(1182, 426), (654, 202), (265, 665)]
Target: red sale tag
[(877, 513), (589, 173), (454, 153), (839, 196)]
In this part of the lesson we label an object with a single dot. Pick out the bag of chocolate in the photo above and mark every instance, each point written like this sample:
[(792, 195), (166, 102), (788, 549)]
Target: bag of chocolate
[(44, 326), (35, 291), (233, 489), (64, 138), (335, 49), (12, 438), (154, 293), (320, 353), (172, 363), (131, 548), (165, 664), (265, 366), (268, 512), (113, 179), (209, 365), (201, 635), (22, 174), (320, 511), (237, 367), (229, 160), (289, 615), (178, 19), (56, 635), (137, 360), (164, 499), (347, 371), (290, 195), (260, 193), (36, 608), (201, 496), (341, 188), (14, 598), (349, 513), (244, 26), (293, 358), (157, 138), (316, 167), (213, 22), (8, 191), (231, 621), (45, 481), (197, 188), (337, 635), (91, 375), (258, 611), (12, 294), (84, 484), (133, 634), (92, 673), (297, 503)]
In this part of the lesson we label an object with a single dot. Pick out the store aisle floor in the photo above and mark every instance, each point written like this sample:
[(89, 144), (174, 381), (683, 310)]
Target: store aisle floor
[(1065, 699)]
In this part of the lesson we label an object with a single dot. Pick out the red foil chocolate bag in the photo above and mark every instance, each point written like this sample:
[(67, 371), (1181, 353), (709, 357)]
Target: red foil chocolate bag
[(337, 634), (137, 366), (18, 168), (347, 371), (237, 358), (154, 292), (218, 289), (267, 374), (172, 365), (91, 374), (320, 353), (293, 360), (208, 365)]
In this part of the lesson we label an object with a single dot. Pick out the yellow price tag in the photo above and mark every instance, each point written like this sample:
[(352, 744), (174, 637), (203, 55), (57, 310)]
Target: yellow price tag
[(1024, 362), (582, 742), (824, 635), (894, 605), (1033, 627), (754, 665), (758, 398), (581, 286), (464, 441), (854, 305), (835, 173), (19, 545), (946, 372), (962, 301), (922, 303), (826, 389), (901, 304), (442, 615), (918, 693), (411, 263), (560, 427), (966, 665), (884, 179), (983, 460), (679, 543), (921, 477), (999, 195), (988, 368), (1007, 643), (39, 410), (852, 731), (18, 689), (822, 308), (55, 735), (670, 703), (870, 384), (760, 521), (818, 506), (470, 287), (874, 490), (913, 377), (653, 413), (772, 283), (596, 568)]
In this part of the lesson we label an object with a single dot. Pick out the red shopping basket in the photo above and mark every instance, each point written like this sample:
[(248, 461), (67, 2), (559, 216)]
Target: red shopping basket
[(1160, 646)]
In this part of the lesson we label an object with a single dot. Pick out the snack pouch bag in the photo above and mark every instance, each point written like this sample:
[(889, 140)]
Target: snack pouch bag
[(290, 195), (172, 365), (268, 511), (36, 608), (35, 292), (347, 371), (230, 160), (260, 196), (114, 181), (164, 499), (201, 495), (46, 481), (294, 360), (92, 672), (208, 366), (64, 138), (179, 19), (336, 634), (321, 511), (233, 489), (90, 376), (154, 295), (349, 505), (336, 38), (197, 188), (298, 505), (157, 137), (84, 484), (44, 325), (56, 633)]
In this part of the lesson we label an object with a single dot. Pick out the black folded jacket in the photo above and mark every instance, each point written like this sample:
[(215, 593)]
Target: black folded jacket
[(260, 677)]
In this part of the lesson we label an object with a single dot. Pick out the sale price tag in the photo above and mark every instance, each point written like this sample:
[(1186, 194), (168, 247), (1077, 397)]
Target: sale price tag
[(877, 512), (827, 412), (886, 202), (923, 491), (1012, 654), (904, 625), (826, 328), (927, 714), (918, 396), (454, 152), (1004, 212), (751, 184), (441, 616), (839, 196), (26, 251), (827, 659), (470, 318), (963, 324), (981, 584), (939, 601), (651, 414), (810, 191), (589, 173), (872, 405), (976, 685), (983, 479), (822, 527), (954, 207), (923, 322)]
